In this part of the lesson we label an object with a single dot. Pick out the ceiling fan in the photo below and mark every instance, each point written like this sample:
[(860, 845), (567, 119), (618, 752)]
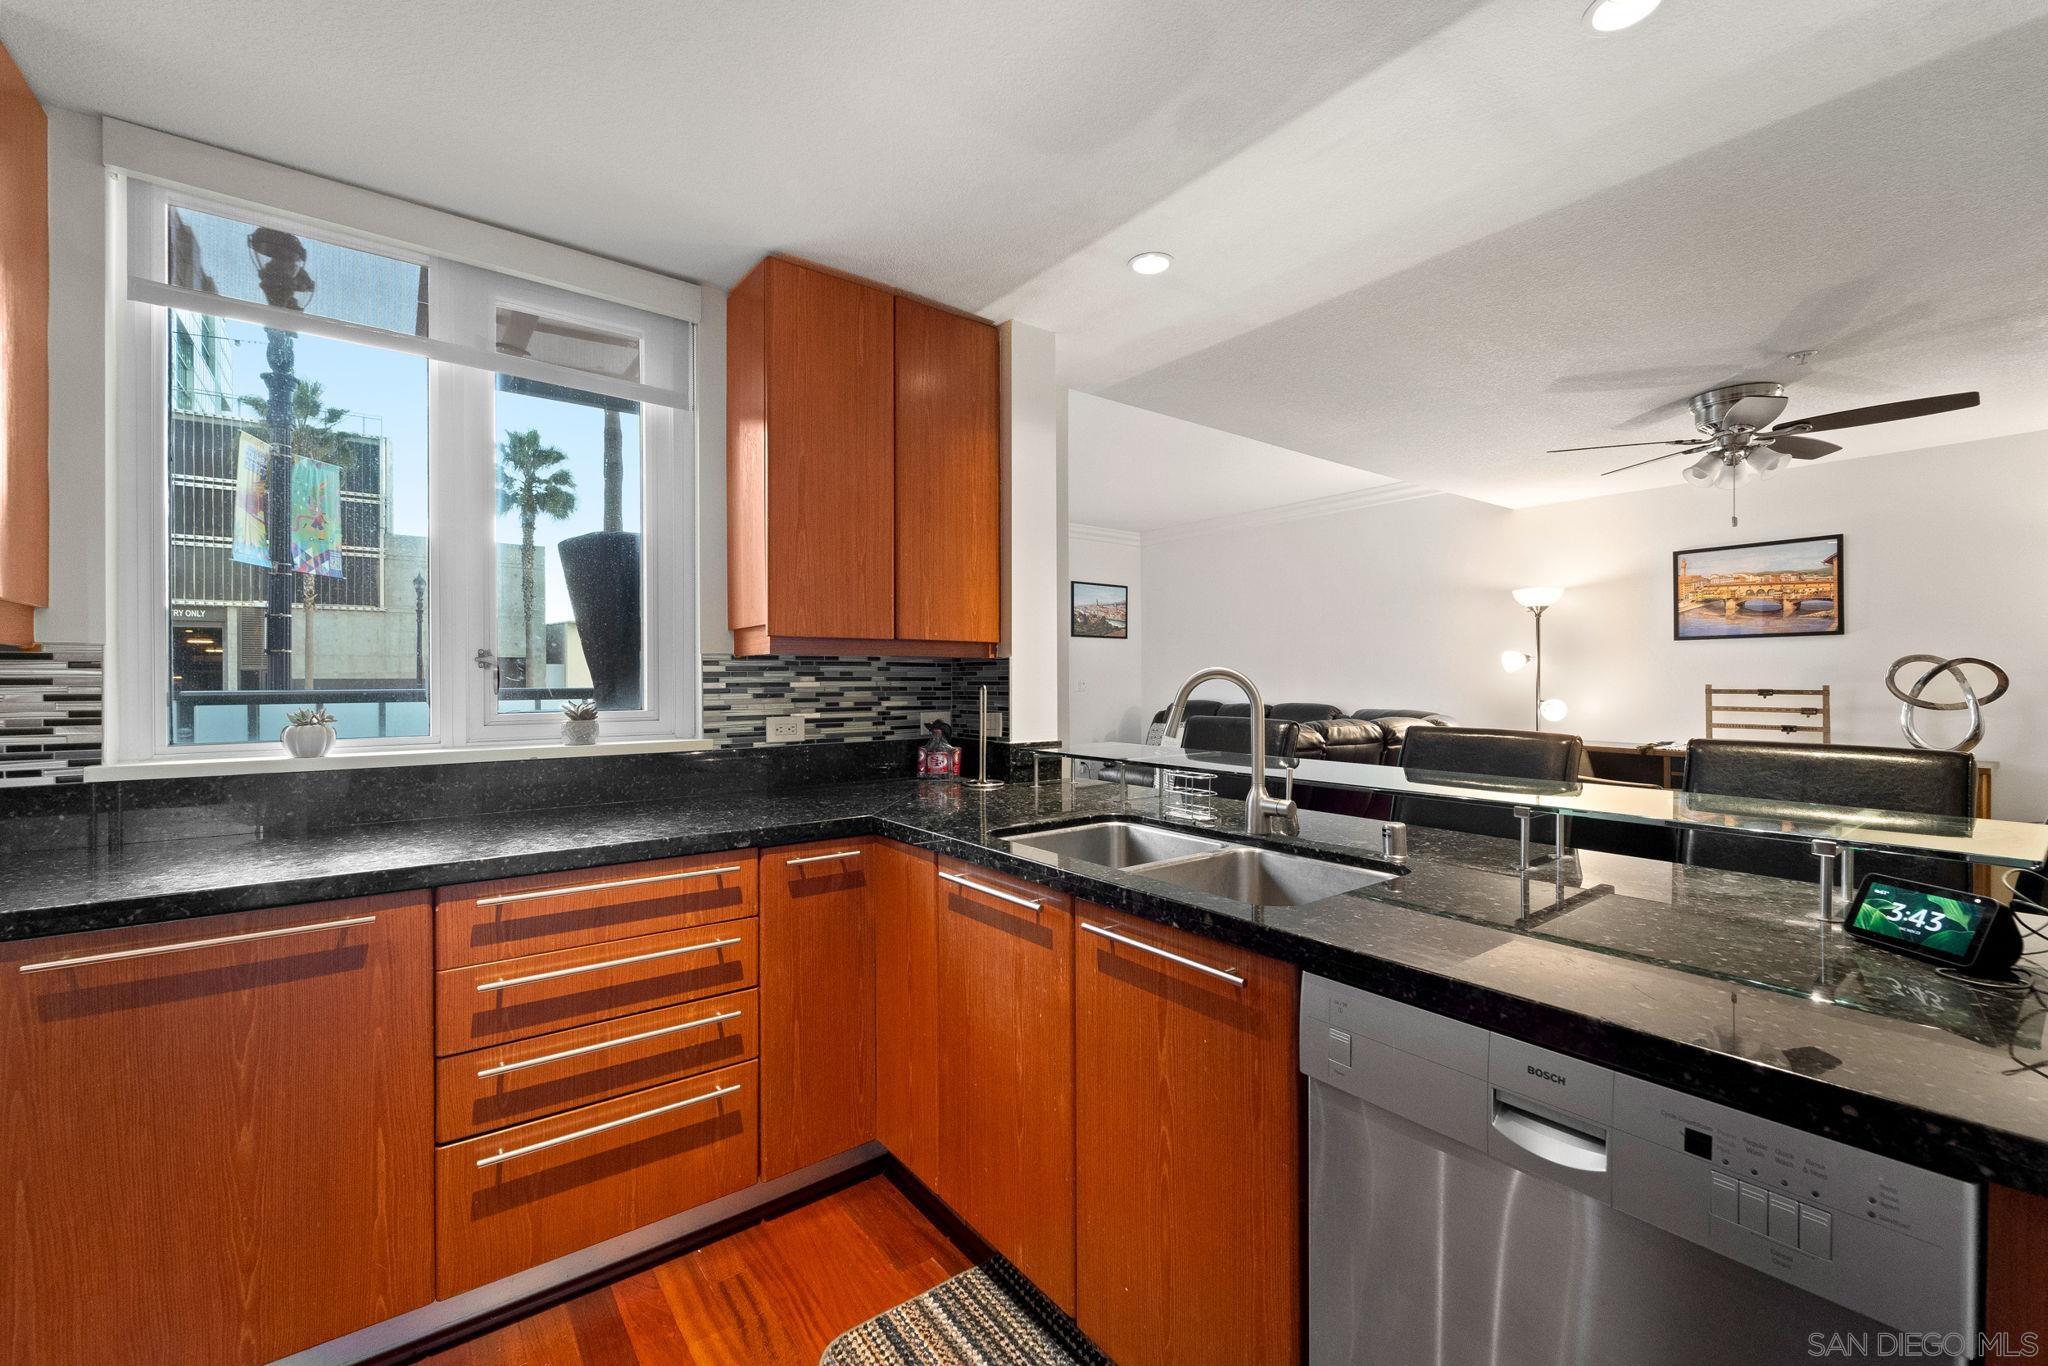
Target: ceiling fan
[(1742, 446)]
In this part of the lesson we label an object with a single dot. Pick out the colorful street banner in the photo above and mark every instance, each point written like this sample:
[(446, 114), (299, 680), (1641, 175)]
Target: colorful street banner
[(316, 518), (251, 544)]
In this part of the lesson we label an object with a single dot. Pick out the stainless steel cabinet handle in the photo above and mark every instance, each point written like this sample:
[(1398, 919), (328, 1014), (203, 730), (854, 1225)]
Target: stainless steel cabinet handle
[(495, 1158), (998, 893), (607, 886), (1156, 951), (187, 945), (820, 858), (549, 976), (502, 1068)]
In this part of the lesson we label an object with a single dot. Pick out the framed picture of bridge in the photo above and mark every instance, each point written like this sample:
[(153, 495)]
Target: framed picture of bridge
[(1765, 588)]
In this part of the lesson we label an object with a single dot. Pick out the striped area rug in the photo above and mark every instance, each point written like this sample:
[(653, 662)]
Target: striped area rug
[(970, 1320)]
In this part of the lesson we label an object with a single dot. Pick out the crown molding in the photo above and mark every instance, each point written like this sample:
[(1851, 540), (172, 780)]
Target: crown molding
[(1105, 535), (1379, 495)]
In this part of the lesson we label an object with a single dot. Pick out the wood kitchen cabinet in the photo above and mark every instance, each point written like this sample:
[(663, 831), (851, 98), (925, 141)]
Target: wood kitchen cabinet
[(948, 477), (903, 887), (1188, 1176), (862, 483), (2015, 1250), (1006, 1068), (219, 1136), (817, 1004), (24, 357)]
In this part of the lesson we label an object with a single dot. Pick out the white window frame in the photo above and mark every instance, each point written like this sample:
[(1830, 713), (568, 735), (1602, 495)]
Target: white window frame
[(462, 702)]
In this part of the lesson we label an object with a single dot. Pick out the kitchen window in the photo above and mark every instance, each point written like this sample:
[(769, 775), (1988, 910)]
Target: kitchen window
[(434, 500)]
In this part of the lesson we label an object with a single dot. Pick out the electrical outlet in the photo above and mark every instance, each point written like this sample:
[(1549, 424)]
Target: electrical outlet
[(925, 718), (783, 730), (995, 725)]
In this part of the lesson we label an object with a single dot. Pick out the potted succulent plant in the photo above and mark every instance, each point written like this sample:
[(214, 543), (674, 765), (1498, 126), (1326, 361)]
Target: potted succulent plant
[(310, 730), (579, 723)]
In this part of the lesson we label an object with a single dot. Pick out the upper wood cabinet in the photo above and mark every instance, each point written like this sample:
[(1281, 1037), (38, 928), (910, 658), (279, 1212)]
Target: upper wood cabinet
[(1006, 1069), (817, 1004), (219, 1144), (948, 477), (862, 477), (24, 357), (1188, 1173)]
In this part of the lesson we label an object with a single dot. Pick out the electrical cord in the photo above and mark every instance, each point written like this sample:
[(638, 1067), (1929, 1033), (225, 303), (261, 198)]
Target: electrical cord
[(2036, 1006)]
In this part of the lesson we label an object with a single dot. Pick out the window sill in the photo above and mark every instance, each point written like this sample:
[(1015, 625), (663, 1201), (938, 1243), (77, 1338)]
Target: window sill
[(214, 765)]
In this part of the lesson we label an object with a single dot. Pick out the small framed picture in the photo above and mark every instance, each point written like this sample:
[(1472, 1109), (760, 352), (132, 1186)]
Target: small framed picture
[(1101, 611), (1765, 588)]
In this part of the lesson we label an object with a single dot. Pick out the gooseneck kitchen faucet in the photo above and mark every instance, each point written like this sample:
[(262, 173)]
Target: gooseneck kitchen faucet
[(1263, 812)]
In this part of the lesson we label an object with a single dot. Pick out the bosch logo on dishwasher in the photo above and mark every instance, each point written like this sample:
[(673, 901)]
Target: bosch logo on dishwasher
[(1553, 1078)]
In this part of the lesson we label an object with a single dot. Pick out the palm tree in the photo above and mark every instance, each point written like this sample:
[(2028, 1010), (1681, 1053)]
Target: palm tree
[(313, 430), (529, 483)]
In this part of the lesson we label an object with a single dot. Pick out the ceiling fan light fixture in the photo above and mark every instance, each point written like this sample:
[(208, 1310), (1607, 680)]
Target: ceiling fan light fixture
[(1705, 471), (1612, 16), (1768, 462)]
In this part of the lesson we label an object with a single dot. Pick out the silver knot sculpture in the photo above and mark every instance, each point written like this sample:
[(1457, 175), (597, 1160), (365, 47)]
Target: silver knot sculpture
[(1911, 700)]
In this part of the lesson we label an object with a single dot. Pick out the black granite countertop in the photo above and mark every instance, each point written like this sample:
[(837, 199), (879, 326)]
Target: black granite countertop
[(1723, 984)]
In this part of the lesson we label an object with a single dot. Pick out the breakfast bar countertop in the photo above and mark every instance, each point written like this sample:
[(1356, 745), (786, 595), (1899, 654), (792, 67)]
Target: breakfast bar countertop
[(1726, 985)]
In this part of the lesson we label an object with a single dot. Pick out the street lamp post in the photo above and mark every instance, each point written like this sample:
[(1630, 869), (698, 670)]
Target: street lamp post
[(281, 272), (419, 628)]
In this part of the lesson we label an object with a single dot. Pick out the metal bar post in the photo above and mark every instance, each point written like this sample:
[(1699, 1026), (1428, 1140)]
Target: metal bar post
[(1523, 817), (1828, 852)]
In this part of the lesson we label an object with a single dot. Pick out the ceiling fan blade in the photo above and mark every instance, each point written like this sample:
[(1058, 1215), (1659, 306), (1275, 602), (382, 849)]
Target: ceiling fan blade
[(1881, 412), (1803, 448), (1651, 461), (1682, 441)]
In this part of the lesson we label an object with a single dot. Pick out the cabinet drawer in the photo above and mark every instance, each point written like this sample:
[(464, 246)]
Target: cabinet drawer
[(484, 922), (523, 1196), (541, 1076), (494, 1003)]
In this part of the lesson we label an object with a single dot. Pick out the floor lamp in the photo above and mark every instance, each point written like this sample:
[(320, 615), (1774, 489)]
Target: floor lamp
[(1536, 600)]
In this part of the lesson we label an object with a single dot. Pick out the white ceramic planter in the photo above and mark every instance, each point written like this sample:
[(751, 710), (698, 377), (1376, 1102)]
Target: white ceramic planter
[(579, 732), (306, 742)]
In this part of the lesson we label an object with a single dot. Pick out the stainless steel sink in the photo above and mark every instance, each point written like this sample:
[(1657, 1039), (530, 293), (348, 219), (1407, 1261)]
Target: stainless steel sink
[(1112, 844), (1257, 877), (1264, 877)]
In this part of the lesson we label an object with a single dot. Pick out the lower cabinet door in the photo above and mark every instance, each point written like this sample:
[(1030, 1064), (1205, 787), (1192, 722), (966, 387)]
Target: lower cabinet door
[(1006, 1069), (1188, 1177), (216, 1135), (522, 1196), (817, 1004), (904, 889)]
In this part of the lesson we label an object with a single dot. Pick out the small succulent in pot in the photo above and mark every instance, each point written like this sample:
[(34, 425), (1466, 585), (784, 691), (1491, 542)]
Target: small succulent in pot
[(308, 732), (579, 723)]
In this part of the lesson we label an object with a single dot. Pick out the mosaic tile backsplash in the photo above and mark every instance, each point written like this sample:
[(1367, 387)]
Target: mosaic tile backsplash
[(49, 714), (50, 703), (871, 698)]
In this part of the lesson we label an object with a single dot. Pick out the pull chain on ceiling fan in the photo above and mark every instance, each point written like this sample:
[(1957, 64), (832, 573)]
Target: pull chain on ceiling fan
[(1741, 446)]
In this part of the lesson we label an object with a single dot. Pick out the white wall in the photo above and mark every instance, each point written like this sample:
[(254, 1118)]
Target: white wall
[(78, 383), (1407, 604), (1105, 689)]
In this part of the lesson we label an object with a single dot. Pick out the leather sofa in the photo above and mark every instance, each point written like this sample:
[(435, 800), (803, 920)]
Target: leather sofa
[(1322, 731)]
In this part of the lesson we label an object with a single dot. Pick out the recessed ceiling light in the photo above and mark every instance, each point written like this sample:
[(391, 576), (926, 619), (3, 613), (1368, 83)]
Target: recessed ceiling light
[(1612, 16), (1150, 262)]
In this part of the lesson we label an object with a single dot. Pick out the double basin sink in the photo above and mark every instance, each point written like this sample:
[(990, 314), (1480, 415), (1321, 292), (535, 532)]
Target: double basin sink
[(1236, 872)]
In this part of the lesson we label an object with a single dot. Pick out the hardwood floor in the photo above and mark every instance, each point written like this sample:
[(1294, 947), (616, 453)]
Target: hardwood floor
[(775, 1292)]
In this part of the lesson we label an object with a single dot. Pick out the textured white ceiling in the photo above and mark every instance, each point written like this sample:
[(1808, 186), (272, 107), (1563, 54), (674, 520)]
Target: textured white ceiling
[(1427, 238), (1142, 471), (950, 149)]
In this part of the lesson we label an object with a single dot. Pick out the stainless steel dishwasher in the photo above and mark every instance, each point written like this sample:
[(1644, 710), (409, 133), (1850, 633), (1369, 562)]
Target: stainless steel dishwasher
[(1477, 1201)]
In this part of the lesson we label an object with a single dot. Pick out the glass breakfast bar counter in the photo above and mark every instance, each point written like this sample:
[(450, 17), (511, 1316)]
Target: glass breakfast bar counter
[(1832, 831)]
